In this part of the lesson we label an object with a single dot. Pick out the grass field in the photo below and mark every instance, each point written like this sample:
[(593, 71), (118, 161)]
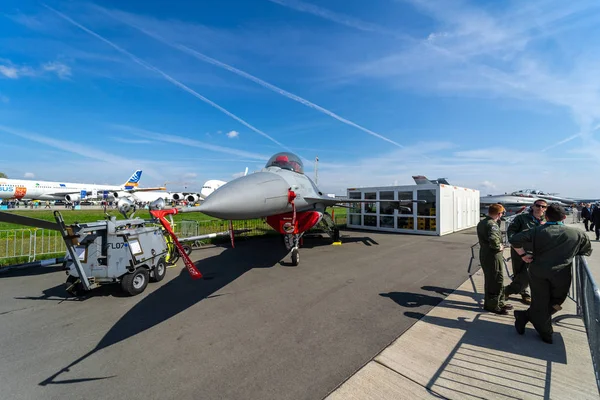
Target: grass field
[(73, 216), (18, 243)]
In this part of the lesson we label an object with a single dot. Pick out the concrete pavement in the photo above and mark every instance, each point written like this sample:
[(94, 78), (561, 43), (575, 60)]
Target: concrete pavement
[(457, 351), (255, 328)]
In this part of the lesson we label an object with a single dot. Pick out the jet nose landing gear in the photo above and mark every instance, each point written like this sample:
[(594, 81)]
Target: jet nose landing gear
[(292, 242)]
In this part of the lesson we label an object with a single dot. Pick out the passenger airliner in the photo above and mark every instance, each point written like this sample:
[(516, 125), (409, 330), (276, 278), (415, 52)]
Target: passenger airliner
[(22, 189)]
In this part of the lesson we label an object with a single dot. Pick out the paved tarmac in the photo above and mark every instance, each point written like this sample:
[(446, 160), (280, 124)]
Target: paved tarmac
[(256, 328), (458, 351)]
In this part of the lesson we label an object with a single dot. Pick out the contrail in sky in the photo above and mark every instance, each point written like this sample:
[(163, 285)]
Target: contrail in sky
[(253, 78), (164, 75)]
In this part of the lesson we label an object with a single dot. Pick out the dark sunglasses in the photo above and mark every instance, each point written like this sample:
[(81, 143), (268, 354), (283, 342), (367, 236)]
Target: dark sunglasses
[(540, 206)]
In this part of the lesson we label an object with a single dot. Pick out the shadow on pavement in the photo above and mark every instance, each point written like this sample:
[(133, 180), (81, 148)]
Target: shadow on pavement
[(415, 300), (181, 293), (493, 360), (31, 271)]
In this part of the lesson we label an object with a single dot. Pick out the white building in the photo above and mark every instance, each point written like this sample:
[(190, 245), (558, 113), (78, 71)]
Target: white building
[(431, 209)]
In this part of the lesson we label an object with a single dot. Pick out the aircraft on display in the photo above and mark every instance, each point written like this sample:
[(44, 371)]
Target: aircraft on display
[(513, 203), (22, 189), (192, 197), (422, 180), (281, 192), (539, 194)]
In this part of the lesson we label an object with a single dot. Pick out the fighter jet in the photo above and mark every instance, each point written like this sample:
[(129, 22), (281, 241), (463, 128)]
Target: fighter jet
[(281, 192)]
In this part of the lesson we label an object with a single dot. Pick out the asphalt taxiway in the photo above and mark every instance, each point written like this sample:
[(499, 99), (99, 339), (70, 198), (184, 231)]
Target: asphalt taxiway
[(255, 328)]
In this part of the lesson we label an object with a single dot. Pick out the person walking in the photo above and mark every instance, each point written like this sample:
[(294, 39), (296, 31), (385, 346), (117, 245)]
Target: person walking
[(492, 260), (554, 247), (595, 218), (586, 214), (523, 222)]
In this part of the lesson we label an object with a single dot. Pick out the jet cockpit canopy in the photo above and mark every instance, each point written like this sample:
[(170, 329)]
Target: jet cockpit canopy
[(286, 160)]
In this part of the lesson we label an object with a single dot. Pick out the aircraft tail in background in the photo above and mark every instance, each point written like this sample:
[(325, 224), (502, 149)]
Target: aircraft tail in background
[(422, 180), (134, 180)]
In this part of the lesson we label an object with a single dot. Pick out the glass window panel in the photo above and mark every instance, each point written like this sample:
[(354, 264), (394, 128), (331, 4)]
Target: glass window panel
[(426, 224), (386, 222), (355, 219), (426, 205), (388, 207), (406, 206), (406, 223), (355, 207), (386, 195), (370, 208), (370, 220)]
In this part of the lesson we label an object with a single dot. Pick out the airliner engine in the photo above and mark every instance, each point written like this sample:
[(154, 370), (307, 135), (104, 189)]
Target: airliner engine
[(192, 198), (177, 196), (72, 197)]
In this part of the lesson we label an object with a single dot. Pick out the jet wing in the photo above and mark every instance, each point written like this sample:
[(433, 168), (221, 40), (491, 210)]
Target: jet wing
[(27, 221), (328, 201), (146, 189)]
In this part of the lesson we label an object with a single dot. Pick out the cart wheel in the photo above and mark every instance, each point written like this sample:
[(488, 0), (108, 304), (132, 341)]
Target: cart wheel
[(73, 286), (172, 257), (160, 270), (295, 257), (135, 282), (187, 248)]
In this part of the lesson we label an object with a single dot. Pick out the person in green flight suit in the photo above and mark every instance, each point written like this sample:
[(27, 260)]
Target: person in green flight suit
[(554, 245), (492, 260), (520, 223)]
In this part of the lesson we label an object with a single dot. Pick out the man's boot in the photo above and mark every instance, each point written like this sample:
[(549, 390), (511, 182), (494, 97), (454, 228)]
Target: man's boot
[(521, 321)]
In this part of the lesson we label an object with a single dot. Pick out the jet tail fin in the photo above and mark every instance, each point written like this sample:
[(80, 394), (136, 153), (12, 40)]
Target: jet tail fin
[(133, 180), (421, 180)]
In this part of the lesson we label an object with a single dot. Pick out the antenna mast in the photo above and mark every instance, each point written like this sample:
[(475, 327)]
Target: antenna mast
[(316, 170)]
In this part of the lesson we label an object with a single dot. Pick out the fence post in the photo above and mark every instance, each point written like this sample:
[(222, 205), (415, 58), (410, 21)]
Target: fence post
[(34, 248)]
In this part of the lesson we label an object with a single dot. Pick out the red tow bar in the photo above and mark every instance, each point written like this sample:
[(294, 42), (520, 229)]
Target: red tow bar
[(160, 215)]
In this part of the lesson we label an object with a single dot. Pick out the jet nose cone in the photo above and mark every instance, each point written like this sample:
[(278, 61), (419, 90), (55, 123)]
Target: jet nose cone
[(252, 196)]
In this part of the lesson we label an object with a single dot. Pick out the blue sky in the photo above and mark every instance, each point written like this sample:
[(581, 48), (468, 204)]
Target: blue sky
[(496, 96)]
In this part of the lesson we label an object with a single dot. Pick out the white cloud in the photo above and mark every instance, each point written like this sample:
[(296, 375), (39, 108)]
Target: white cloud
[(190, 175), (167, 138), (12, 71), (88, 152), (131, 141), (435, 35), (9, 72), (485, 169), (487, 185), (233, 134), (29, 175), (61, 70)]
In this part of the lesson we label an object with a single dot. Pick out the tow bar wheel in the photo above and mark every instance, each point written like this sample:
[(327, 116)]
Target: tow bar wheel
[(295, 257), (135, 282)]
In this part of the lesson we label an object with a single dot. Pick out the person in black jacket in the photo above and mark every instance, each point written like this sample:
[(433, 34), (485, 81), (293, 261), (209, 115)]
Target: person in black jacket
[(586, 214), (595, 218)]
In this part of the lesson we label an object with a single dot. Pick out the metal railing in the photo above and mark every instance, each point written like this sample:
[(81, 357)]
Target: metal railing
[(27, 245), (586, 295)]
